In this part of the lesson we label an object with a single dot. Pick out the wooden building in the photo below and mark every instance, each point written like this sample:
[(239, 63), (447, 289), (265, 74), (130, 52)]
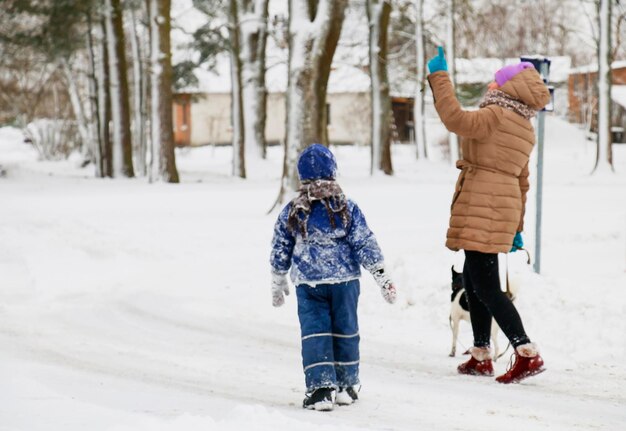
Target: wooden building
[(202, 115), (583, 98)]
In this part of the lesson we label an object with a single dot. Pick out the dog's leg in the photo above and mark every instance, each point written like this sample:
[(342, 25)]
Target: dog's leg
[(455, 334)]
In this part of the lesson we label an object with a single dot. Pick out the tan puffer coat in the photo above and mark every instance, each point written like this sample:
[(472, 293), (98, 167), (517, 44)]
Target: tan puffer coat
[(490, 195)]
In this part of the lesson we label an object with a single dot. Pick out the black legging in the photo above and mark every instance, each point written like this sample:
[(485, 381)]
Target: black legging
[(481, 279)]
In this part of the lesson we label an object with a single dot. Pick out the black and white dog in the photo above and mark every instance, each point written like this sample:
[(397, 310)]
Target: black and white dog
[(459, 310)]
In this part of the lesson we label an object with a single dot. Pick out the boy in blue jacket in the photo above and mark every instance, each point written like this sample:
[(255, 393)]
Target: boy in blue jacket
[(323, 238)]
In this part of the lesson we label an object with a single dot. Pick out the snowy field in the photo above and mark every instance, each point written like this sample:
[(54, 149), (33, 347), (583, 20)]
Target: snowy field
[(129, 306)]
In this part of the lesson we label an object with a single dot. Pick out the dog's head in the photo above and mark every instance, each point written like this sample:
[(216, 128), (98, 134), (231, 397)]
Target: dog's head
[(457, 281)]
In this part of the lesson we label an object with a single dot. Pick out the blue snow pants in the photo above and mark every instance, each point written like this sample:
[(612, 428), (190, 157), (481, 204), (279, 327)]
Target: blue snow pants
[(330, 334)]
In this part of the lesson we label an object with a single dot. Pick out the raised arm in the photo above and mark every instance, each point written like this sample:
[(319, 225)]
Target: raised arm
[(477, 124)]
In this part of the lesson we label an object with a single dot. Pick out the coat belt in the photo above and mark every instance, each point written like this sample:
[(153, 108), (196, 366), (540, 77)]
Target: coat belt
[(466, 166)]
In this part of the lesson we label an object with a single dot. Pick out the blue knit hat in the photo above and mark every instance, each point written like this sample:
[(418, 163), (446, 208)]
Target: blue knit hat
[(317, 162)]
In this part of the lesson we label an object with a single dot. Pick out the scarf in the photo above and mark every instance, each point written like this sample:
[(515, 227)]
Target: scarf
[(326, 191), (500, 98)]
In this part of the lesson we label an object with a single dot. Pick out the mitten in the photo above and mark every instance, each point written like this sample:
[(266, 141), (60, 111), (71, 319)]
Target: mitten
[(518, 242), (387, 289), (280, 288), (438, 63)]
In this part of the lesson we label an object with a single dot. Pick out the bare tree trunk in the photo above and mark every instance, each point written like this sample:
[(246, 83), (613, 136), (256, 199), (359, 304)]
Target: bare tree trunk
[(451, 59), (139, 133), (252, 24), (79, 111), (145, 97), (94, 126), (237, 113), (314, 29), (155, 78), (420, 104), (378, 12), (122, 149), (604, 156), (104, 102), (163, 162)]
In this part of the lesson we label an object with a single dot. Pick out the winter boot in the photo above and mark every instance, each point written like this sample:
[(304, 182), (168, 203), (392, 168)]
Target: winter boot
[(321, 399), (347, 396), (479, 363), (527, 363)]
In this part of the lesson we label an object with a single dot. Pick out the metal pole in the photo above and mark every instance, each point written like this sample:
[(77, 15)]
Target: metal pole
[(541, 122)]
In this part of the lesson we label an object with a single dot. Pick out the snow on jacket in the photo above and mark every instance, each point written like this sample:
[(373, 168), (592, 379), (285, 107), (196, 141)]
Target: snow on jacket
[(327, 255), (490, 194)]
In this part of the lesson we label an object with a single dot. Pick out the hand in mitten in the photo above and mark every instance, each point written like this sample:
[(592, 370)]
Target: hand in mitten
[(438, 63), (387, 289), (280, 288), (518, 242)]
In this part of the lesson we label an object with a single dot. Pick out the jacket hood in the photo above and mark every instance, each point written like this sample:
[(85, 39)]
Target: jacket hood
[(317, 162), (528, 87), (506, 73)]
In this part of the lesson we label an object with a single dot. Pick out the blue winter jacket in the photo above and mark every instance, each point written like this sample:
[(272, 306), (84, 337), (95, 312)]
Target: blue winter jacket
[(327, 255)]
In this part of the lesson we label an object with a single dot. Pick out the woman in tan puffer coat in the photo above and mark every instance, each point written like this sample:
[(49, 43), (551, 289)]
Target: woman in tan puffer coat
[(489, 200)]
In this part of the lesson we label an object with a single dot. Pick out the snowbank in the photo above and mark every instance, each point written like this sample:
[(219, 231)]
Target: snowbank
[(13, 148)]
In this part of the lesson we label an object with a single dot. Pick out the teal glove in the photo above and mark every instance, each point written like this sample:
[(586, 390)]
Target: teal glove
[(518, 242), (438, 63)]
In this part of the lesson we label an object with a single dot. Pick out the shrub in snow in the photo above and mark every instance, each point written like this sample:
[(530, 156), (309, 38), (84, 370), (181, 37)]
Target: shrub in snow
[(53, 139)]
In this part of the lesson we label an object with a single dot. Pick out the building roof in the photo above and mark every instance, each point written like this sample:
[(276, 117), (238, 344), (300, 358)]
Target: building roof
[(618, 94), (346, 78), (590, 68), (343, 79)]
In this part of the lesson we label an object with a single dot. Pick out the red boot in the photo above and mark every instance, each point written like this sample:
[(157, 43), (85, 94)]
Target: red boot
[(527, 363), (479, 363)]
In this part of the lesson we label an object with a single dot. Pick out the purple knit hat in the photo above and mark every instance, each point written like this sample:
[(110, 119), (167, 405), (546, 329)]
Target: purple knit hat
[(508, 72)]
